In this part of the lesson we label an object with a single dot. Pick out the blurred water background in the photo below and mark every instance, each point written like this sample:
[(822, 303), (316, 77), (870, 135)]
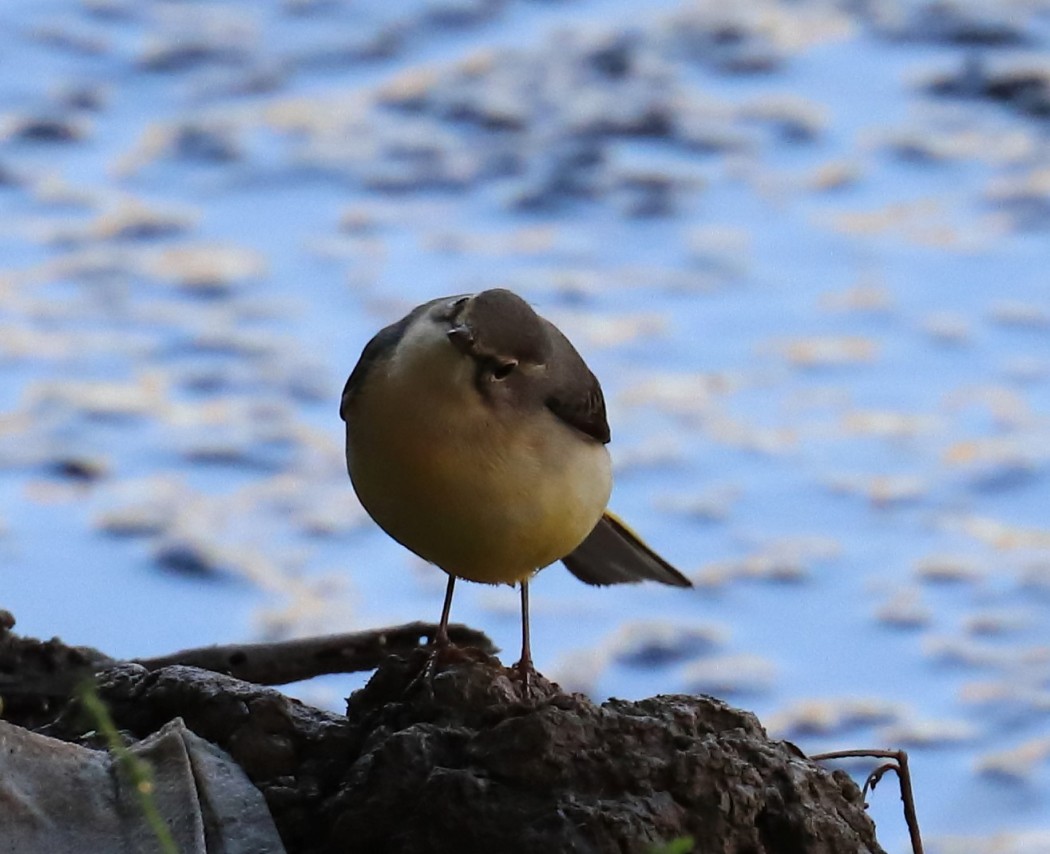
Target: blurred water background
[(805, 245)]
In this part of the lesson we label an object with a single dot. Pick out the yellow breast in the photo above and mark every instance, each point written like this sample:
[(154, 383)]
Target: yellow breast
[(485, 495)]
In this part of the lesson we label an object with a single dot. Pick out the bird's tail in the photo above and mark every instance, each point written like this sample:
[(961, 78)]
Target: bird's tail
[(614, 554)]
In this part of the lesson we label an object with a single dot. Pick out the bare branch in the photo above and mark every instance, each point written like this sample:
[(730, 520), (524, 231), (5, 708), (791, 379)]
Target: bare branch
[(898, 764), (281, 662)]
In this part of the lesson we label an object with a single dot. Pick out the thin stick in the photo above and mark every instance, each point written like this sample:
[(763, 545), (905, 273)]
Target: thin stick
[(898, 764), (292, 661)]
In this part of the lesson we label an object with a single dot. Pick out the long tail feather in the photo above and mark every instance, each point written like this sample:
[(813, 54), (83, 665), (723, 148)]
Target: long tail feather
[(614, 554)]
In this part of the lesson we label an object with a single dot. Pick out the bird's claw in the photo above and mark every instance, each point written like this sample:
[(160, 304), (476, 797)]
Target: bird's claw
[(525, 671), (439, 648)]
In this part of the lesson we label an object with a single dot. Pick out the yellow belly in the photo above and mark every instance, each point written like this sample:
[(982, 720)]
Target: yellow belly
[(490, 498)]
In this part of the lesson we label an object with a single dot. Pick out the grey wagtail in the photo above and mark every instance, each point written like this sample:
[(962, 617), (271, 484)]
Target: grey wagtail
[(475, 437)]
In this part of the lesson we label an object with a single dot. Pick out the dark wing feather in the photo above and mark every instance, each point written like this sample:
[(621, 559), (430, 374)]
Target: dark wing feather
[(574, 393), (613, 554)]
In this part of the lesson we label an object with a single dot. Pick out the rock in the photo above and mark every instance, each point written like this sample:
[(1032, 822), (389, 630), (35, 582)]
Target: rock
[(37, 677), (461, 759), (479, 767)]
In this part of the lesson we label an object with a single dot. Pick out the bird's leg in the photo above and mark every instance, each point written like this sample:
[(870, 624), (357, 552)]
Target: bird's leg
[(441, 638), (438, 645), (524, 666)]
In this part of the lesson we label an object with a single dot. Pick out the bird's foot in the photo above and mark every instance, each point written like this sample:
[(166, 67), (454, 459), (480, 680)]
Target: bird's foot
[(525, 671), (440, 653), (425, 678)]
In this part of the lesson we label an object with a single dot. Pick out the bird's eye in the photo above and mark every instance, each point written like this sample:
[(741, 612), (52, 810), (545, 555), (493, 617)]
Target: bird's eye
[(502, 370)]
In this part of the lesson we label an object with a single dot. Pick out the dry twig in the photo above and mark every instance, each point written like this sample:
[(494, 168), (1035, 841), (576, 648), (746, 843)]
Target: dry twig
[(898, 764)]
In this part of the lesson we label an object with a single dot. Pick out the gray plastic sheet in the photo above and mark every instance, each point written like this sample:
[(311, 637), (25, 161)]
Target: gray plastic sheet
[(61, 798)]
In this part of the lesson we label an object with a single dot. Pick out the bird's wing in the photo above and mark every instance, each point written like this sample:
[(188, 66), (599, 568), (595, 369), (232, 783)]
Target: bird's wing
[(574, 393), (613, 554)]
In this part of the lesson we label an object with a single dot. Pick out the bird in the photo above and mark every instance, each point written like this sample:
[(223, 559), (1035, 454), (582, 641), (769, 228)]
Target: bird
[(476, 438)]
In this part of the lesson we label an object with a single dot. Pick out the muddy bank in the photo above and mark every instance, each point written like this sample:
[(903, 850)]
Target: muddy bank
[(464, 760)]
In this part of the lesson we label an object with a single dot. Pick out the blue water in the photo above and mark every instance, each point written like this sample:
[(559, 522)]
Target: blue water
[(853, 381)]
